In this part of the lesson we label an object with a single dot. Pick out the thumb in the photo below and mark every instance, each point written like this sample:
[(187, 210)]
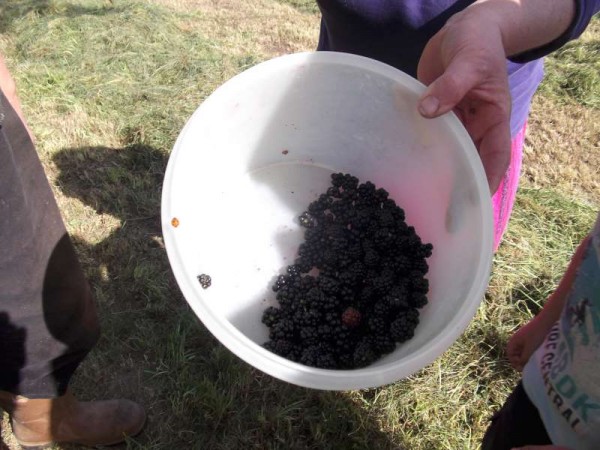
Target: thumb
[(444, 93)]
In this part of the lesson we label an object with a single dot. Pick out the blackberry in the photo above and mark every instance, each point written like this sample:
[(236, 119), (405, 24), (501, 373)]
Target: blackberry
[(403, 328), (345, 345), (307, 282), (346, 360), (315, 296), (390, 204), (326, 361), (425, 250), (382, 285), (371, 258), (309, 355), (337, 179), (358, 271), (325, 331), (367, 294), (364, 354), (386, 219), (283, 329), (420, 266), (347, 278), (418, 300), (370, 266), (383, 239), (383, 343), (346, 294), (349, 182), (309, 335), (282, 280), (332, 318), (312, 234), (271, 316), (333, 192), (326, 200), (280, 347), (329, 257), (307, 220), (381, 195), (378, 325), (293, 270), (205, 281), (329, 285), (303, 265), (382, 308), (401, 264), (330, 303), (419, 284), (397, 302), (310, 317), (351, 317), (367, 189)]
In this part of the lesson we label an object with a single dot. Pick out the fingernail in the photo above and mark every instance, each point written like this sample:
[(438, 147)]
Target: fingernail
[(429, 105)]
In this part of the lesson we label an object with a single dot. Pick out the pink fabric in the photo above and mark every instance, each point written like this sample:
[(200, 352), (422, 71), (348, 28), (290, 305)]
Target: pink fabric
[(504, 198)]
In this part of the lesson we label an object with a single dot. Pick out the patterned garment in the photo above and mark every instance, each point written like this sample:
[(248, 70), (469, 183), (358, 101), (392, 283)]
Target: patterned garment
[(562, 378), (504, 198)]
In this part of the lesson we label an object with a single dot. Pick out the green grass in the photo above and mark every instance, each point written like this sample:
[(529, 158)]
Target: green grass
[(573, 72), (306, 6), (107, 87)]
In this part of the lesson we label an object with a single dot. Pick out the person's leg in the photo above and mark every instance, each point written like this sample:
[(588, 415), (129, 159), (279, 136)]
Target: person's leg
[(516, 424), (504, 198), (48, 321)]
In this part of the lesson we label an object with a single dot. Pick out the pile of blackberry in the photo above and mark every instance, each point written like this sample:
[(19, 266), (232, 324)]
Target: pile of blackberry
[(358, 282)]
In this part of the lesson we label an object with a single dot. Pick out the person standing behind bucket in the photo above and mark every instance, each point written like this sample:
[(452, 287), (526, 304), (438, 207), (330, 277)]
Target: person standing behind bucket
[(558, 399), (48, 321), (460, 49)]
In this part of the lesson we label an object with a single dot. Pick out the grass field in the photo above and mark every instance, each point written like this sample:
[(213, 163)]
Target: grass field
[(107, 85)]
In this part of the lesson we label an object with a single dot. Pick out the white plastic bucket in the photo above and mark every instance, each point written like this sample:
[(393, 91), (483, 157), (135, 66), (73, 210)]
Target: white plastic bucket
[(263, 146)]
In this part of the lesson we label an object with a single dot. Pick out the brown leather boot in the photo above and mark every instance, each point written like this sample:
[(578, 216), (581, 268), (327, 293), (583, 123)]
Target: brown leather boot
[(39, 422)]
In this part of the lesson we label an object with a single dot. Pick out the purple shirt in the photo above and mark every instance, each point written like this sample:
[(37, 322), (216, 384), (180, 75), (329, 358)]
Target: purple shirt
[(395, 32)]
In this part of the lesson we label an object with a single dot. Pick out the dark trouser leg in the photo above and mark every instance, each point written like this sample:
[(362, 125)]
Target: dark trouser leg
[(516, 424), (48, 321)]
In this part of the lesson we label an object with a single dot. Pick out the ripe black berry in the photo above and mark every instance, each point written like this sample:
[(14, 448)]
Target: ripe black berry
[(205, 281), (367, 280)]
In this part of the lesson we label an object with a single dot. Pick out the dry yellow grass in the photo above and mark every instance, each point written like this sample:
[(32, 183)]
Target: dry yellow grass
[(562, 150), (274, 28)]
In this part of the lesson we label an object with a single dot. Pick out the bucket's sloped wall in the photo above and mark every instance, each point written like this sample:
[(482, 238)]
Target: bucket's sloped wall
[(262, 147)]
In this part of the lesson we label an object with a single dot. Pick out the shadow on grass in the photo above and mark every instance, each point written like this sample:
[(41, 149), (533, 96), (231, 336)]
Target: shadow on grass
[(153, 349), (531, 295), (304, 6)]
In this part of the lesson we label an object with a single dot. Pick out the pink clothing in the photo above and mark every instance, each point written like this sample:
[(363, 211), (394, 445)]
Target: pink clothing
[(504, 198)]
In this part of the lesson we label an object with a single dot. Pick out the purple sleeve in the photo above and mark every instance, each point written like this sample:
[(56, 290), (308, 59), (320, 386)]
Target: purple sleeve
[(584, 10)]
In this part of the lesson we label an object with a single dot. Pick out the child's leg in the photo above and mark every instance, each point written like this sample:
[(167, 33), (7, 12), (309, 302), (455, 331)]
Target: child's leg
[(504, 198), (516, 424)]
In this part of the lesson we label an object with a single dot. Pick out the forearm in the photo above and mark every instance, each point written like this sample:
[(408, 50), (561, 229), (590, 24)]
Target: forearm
[(556, 302), (8, 87), (526, 24)]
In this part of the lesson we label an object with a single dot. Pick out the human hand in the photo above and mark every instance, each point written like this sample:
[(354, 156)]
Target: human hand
[(464, 66), (525, 341)]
